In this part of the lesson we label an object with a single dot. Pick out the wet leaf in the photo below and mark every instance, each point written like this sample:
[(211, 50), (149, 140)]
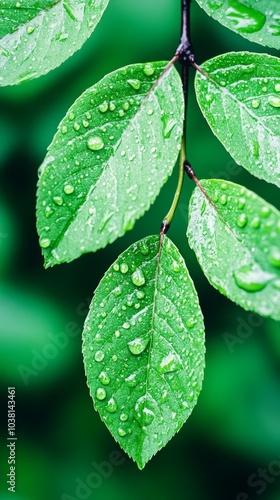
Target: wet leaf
[(259, 21), (143, 346), (37, 36), (112, 153), (240, 99), (238, 245)]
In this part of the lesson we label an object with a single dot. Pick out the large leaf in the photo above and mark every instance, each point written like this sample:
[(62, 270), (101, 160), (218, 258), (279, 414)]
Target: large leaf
[(257, 20), (238, 245), (38, 35), (112, 153), (240, 99), (143, 346)]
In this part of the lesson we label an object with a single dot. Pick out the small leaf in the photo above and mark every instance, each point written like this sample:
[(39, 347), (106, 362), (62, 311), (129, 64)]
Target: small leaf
[(259, 21), (112, 153), (238, 245), (240, 99), (143, 346), (37, 36)]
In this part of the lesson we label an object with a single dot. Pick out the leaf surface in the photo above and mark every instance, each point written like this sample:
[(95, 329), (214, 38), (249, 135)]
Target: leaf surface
[(257, 20), (240, 99), (36, 36), (238, 245), (112, 153), (143, 346)]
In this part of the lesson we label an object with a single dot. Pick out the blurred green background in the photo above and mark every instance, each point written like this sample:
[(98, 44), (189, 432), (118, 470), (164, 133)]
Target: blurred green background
[(234, 432)]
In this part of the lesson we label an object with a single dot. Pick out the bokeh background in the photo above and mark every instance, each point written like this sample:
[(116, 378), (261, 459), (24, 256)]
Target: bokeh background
[(233, 435)]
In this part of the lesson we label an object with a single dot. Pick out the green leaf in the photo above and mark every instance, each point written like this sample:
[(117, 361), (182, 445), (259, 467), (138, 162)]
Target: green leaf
[(111, 155), (240, 99), (143, 346), (36, 36), (238, 245), (257, 20)]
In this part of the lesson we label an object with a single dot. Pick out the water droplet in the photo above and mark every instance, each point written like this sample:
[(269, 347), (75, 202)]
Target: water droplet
[(140, 294), (88, 115), (121, 113), (252, 278), (265, 211), (274, 101), (103, 107), (131, 380), (170, 363), (123, 417), (117, 334), (100, 393), (104, 378), (126, 325), (175, 266), (277, 87), (191, 322), (111, 405), (71, 116), (245, 19), (30, 29), (168, 125), (138, 278), (123, 268), (76, 126), (138, 345), (144, 248), (99, 355), (85, 123), (115, 357), (134, 83), (95, 143), (58, 200), (144, 411), (255, 103), (63, 129), (121, 432), (223, 199), (242, 220), (274, 256), (117, 291), (44, 242), (116, 267), (148, 69), (68, 189), (255, 222), (150, 112)]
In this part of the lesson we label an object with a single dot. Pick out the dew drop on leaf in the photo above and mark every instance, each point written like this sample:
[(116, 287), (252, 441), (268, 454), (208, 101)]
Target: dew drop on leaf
[(44, 242), (68, 189), (138, 278), (111, 405), (121, 432), (274, 256), (103, 107), (274, 101), (95, 143), (148, 69), (144, 411), (124, 268), (251, 278), (104, 378), (99, 356), (101, 393), (138, 345), (170, 363), (242, 220), (58, 200), (134, 83)]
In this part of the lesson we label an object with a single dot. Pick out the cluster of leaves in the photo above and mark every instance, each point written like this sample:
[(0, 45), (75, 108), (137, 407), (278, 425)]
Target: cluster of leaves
[(143, 340)]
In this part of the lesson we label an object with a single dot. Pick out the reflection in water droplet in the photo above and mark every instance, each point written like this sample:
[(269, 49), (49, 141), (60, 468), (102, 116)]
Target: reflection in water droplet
[(170, 363), (121, 432), (95, 143), (104, 378), (245, 19), (242, 220), (148, 69), (134, 83), (274, 256), (68, 189), (252, 278), (138, 278), (111, 405), (103, 107), (144, 411), (123, 268), (44, 242), (138, 345), (99, 355), (274, 101), (100, 393), (58, 200), (255, 103)]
